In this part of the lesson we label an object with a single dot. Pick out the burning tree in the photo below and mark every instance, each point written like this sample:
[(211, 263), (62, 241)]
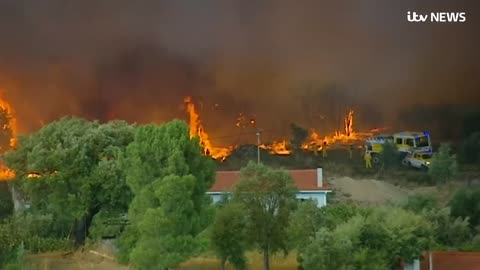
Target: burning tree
[(8, 134)]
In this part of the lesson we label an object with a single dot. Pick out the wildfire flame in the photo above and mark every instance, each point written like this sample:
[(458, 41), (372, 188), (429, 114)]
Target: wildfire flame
[(277, 148), (348, 136), (196, 129), (11, 126), (349, 123)]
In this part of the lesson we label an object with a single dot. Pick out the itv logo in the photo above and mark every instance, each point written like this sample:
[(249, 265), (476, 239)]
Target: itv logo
[(450, 17)]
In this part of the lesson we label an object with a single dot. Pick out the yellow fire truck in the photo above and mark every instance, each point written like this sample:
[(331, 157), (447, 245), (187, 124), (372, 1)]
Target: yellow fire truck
[(407, 142)]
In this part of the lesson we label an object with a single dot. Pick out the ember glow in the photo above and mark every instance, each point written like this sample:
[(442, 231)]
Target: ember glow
[(10, 128), (277, 148), (280, 147)]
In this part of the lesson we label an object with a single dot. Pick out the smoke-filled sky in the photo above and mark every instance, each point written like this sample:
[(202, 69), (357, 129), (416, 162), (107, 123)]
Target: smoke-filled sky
[(279, 61)]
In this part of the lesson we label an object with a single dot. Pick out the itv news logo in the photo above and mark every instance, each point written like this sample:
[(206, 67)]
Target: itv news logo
[(450, 17)]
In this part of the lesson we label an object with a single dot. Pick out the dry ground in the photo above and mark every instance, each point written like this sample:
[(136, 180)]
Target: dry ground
[(89, 261)]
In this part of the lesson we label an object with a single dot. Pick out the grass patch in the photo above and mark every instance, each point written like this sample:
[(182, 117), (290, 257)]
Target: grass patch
[(255, 262)]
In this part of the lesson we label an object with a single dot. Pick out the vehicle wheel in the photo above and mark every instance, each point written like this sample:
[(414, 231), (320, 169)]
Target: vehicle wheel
[(424, 168), (405, 162), (376, 159)]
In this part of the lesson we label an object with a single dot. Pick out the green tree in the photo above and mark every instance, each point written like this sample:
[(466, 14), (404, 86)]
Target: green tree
[(299, 135), (420, 202), (470, 153), (381, 238), (169, 178), (268, 195), (470, 123), (341, 248), (78, 171), (10, 240), (6, 202), (304, 223), (451, 232), (466, 204), (444, 165), (389, 156), (229, 236), (332, 215)]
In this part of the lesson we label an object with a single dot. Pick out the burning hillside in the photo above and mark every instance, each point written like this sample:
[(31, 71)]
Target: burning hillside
[(196, 130), (280, 147), (8, 137)]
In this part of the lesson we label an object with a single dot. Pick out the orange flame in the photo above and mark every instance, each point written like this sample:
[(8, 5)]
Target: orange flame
[(348, 137), (196, 129), (277, 148), (349, 123), (12, 125), (6, 173)]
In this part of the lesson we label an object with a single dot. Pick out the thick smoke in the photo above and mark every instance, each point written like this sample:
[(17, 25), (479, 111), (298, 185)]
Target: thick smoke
[(278, 61)]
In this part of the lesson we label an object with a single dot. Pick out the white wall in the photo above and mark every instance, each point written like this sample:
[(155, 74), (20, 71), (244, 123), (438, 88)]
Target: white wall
[(414, 266), (320, 197)]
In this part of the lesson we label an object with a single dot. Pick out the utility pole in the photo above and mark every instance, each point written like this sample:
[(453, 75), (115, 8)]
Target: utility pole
[(259, 131)]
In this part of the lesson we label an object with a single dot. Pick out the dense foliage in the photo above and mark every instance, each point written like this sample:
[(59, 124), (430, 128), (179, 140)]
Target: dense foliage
[(268, 196), (77, 171), (381, 239), (229, 236), (168, 177), (444, 165), (470, 150), (466, 204), (389, 156), (6, 202), (147, 184)]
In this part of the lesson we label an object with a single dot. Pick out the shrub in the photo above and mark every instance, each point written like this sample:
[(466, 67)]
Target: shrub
[(470, 152), (6, 202), (466, 203), (444, 165), (420, 202), (390, 157)]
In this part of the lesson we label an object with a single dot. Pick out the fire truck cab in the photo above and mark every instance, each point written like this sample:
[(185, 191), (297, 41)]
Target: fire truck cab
[(407, 142)]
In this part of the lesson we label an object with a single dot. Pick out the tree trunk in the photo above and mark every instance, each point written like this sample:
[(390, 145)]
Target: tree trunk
[(222, 264), (266, 259), (82, 226)]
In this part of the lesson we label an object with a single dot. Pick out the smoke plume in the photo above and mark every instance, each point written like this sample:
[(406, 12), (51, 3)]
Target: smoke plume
[(279, 61)]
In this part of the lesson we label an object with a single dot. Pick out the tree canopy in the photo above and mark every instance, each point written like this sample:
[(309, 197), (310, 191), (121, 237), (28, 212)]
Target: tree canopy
[(69, 169), (390, 157), (444, 165), (268, 195), (169, 178), (229, 235), (379, 239)]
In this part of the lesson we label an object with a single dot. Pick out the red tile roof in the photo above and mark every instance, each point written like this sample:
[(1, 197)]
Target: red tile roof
[(447, 260), (305, 180)]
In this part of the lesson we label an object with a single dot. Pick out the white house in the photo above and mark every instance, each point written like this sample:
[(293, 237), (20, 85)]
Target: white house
[(310, 184)]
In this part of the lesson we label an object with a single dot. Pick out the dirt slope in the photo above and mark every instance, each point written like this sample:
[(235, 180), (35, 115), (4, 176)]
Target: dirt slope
[(367, 190)]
